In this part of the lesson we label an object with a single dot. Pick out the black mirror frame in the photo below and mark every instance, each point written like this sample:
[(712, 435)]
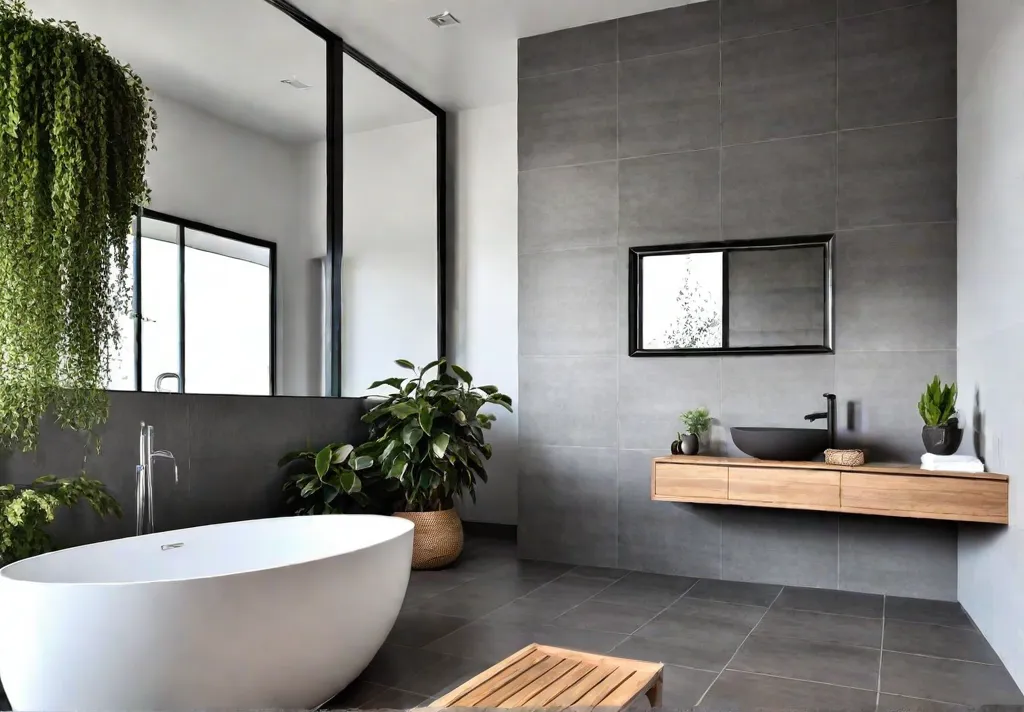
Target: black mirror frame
[(636, 254)]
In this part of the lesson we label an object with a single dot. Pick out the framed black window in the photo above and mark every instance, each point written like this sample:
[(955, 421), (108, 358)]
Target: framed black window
[(204, 310), (770, 296)]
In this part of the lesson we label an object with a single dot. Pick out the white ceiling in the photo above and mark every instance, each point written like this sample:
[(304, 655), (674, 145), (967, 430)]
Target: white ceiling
[(469, 65)]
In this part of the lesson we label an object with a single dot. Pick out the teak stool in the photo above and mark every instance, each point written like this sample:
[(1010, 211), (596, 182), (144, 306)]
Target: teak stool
[(539, 676)]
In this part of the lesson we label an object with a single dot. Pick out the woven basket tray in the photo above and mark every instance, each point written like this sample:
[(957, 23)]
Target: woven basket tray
[(844, 458)]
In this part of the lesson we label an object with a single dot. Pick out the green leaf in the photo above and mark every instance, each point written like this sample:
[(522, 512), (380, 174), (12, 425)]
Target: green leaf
[(460, 417), (398, 467), (393, 382), (426, 420), (406, 364), (490, 390), (323, 462), (330, 493), (341, 454), (362, 463), (404, 410), (462, 373), (411, 434), (439, 445)]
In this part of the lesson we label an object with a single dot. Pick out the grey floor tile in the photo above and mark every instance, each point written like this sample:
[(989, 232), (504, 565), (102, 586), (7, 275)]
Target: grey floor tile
[(822, 627), (486, 641), (952, 681), (597, 572), (531, 611), (646, 590), (394, 700), (804, 660), (867, 605), (479, 597), (938, 641), (434, 678), (570, 588), (684, 686), (657, 651), (917, 610), (417, 628), (895, 703), (589, 641), (609, 617), (695, 642), (753, 594), (392, 662), (352, 697), (717, 611), (743, 691)]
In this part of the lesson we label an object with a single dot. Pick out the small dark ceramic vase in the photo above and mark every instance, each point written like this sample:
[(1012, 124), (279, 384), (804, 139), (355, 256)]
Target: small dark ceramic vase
[(942, 439), (690, 445), (676, 448)]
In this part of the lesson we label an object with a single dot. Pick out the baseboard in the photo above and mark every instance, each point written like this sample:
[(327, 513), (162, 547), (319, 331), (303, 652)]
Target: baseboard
[(489, 530)]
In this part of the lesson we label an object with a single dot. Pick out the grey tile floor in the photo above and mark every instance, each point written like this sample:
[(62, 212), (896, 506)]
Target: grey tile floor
[(726, 645)]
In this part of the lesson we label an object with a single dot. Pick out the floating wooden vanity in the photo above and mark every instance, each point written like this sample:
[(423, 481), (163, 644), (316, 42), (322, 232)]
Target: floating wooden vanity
[(889, 491)]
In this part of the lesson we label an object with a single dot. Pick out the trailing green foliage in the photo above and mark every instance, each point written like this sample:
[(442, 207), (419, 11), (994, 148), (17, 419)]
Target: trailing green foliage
[(75, 128), (938, 403), (697, 421), (26, 511), (429, 434), (326, 482)]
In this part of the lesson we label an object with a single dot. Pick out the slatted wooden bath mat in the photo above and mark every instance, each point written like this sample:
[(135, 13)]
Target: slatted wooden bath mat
[(542, 677)]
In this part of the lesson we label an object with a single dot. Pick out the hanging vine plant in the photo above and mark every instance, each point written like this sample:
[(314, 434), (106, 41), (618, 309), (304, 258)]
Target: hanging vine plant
[(75, 128)]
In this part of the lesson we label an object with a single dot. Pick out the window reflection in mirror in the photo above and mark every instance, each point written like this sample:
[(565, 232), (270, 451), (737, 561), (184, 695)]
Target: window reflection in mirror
[(759, 296)]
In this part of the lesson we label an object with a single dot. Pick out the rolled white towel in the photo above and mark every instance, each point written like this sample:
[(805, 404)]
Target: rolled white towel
[(948, 459), (951, 463)]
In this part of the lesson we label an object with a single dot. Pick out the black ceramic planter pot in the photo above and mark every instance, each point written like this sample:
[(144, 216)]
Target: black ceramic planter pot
[(689, 445), (676, 449), (942, 439)]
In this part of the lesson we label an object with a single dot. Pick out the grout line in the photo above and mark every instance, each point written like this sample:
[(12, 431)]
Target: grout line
[(737, 652), (939, 657), (881, 650), (802, 679)]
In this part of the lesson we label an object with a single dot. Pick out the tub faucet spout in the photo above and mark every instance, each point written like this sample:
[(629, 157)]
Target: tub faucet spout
[(144, 480)]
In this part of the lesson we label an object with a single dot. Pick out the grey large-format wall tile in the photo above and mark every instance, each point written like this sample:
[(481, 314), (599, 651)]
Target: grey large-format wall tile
[(568, 207), (853, 8), (898, 174), (567, 401), (654, 391), (568, 118), (574, 48), (743, 18), (566, 302), (567, 505), (669, 198), (663, 537), (670, 30), (770, 391), (884, 388), (776, 546), (779, 188), (898, 557), (890, 284), (780, 85), (669, 103), (898, 66)]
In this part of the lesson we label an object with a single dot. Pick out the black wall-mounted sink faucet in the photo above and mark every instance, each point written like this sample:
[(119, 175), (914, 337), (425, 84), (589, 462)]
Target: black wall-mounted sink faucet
[(830, 414)]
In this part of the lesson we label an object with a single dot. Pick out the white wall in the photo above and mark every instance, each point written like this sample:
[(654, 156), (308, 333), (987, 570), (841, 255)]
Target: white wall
[(389, 273), (484, 285), (208, 170), (990, 328)]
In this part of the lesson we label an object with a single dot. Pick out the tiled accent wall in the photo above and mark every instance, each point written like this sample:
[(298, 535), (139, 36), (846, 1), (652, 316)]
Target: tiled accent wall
[(227, 449), (730, 120)]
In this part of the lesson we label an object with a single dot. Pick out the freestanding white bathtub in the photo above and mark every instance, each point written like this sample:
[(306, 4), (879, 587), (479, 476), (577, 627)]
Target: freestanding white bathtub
[(272, 613)]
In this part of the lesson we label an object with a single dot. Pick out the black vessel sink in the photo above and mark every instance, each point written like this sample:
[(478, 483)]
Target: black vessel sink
[(781, 443)]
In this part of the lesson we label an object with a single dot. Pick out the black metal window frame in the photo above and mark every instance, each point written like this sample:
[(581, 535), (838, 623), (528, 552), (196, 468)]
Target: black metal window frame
[(636, 299), (337, 48), (183, 224)]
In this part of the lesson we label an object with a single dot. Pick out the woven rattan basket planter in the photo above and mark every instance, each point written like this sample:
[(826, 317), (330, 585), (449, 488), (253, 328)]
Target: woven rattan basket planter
[(436, 539), (844, 458)]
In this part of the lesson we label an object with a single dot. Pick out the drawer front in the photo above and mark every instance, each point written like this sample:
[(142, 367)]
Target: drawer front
[(939, 497), (688, 482), (777, 485)]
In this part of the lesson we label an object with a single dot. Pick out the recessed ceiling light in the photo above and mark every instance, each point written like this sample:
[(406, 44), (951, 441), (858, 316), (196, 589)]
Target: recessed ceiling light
[(295, 83), (445, 19)]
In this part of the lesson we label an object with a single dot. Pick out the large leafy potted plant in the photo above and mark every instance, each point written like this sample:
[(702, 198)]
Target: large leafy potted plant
[(941, 432), (27, 510), (337, 479), (75, 128), (429, 436)]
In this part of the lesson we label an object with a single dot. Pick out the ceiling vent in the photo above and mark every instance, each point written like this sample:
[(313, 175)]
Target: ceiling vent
[(445, 19), (295, 83)]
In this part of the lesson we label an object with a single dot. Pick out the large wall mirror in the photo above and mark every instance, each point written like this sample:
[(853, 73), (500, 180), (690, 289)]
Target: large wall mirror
[(292, 242), (750, 297)]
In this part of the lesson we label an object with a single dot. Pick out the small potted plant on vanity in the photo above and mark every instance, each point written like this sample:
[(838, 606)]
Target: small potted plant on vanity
[(697, 422), (429, 436), (941, 432)]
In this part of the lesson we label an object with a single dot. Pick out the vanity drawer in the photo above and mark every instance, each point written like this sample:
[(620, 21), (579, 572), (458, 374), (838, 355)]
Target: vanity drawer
[(979, 500), (691, 481), (777, 485)]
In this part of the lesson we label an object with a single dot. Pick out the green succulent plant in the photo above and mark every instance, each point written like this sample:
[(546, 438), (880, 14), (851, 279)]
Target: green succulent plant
[(938, 403), (697, 421)]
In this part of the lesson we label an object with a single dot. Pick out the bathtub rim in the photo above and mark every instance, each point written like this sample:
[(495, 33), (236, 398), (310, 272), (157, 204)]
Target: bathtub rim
[(405, 528)]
